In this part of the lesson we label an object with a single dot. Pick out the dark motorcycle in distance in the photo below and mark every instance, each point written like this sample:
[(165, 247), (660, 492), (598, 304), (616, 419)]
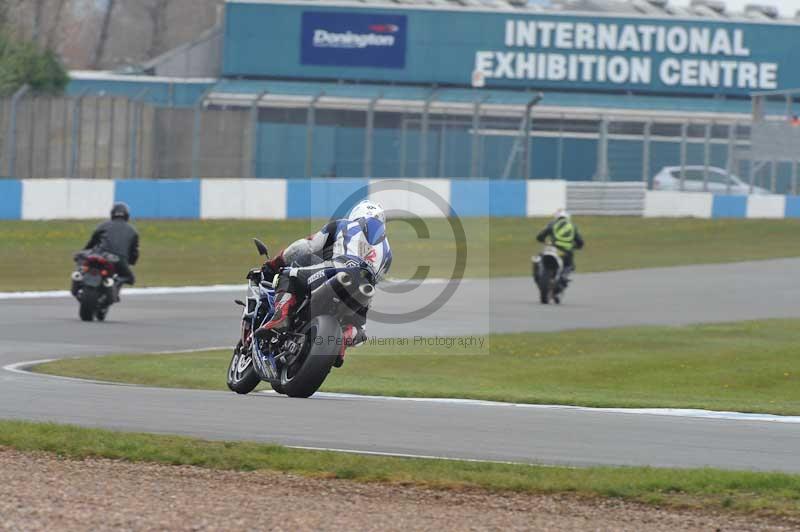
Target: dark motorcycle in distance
[(548, 270), (296, 361), (93, 283)]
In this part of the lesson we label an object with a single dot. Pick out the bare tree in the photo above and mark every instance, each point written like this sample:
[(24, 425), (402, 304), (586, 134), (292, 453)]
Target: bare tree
[(36, 31), (158, 16), (52, 32), (97, 56)]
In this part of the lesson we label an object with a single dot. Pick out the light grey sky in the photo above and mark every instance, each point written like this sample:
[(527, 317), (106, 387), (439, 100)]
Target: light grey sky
[(786, 7)]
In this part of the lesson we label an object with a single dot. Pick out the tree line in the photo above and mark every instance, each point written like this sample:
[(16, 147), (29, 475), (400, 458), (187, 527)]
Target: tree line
[(22, 62)]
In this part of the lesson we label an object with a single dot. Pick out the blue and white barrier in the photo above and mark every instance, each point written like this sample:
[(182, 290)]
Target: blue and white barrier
[(665, 204), (278, 199)]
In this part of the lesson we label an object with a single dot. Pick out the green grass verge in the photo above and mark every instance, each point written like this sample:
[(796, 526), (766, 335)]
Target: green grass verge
[(771, 493), (747, 366), (37, 255)]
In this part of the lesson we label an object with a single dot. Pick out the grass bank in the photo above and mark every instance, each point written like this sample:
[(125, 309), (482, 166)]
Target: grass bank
[(210, 251), (772, 493), (747, 366)]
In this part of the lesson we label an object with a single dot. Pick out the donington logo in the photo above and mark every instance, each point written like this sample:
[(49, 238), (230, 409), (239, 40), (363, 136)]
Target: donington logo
[(350, 39), (329, 39)]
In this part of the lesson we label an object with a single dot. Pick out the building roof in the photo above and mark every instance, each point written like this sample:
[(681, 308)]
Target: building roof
[(698, 9)]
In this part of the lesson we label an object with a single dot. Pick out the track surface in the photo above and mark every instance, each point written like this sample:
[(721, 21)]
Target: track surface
[(48, 328)]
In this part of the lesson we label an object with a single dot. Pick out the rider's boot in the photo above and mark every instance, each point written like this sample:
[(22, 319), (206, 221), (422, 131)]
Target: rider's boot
[(348, 335), (280, 319)]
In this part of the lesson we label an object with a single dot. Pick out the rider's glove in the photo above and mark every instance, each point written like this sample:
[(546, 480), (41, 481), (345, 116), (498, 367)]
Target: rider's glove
[(254, 274), (273, 267)]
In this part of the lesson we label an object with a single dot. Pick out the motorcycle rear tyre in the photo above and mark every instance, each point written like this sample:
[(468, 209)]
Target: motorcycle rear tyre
[(88, 304), (319, 359)]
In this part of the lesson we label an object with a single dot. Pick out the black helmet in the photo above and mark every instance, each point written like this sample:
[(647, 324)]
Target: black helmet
[(120, 210)]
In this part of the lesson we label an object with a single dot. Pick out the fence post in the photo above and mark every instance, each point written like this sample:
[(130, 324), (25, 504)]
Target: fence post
[(476, 124), (196, 131), (526, 148), (403, 147), (706, 154), (368, 140), (560, 148), (442, 148), (97, 107), (111, 121), (134, 147), (731, 154), (75, 136), (11, 147), (423, 137), (648, 127), (602, 151), (47, 142), (311, 116), (684, 138), (773, 175), (794, 177), (254, 107)]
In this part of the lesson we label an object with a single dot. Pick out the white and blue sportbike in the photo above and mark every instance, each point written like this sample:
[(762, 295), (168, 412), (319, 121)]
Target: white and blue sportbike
[(297, 360)]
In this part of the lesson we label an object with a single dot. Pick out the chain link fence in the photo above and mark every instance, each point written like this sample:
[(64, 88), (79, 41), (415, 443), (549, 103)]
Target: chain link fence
[(102, 137)]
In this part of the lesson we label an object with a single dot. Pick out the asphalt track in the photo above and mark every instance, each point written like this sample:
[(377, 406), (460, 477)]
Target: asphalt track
[(34, 329)]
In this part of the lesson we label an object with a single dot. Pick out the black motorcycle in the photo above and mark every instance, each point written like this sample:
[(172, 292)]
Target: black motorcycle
[(296, 361), (548, 272), (93, 283)]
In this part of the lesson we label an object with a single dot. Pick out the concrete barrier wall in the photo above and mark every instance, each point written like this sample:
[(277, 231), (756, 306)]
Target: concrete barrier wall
[(277, 199), (545, 197)]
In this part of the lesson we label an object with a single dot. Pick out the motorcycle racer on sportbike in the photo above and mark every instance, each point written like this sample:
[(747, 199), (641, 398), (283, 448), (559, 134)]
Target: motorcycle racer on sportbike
[(308, 262)]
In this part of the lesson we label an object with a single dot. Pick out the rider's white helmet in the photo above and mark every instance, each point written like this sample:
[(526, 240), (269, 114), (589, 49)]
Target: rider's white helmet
[(367, 209), (562, 213)]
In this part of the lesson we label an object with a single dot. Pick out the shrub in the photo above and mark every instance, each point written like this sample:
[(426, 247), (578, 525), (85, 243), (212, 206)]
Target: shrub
[(21, 62)]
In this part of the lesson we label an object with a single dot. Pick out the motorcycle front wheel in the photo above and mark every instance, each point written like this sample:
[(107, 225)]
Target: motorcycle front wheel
[(242, 376)]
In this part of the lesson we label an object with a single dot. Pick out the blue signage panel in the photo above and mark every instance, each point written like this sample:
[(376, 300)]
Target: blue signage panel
[(353, 39), (549, 51)]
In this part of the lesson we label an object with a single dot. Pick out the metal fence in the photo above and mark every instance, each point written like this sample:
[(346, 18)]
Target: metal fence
[(775, 148), (101, 136)]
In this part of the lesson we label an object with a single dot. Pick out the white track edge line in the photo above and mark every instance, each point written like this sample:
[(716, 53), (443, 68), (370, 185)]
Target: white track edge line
[(423, 456), (168, 290), (22, 368)]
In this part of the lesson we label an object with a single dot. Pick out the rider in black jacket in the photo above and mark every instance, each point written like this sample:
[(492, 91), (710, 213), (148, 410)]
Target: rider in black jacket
[(117, 236)]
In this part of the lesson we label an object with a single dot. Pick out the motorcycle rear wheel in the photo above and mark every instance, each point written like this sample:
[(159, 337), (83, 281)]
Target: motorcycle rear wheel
[(545, 285), (321, 349), (88, 304)]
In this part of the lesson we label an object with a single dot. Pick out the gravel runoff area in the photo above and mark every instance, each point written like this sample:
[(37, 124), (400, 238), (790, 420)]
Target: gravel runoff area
[(40, 491)]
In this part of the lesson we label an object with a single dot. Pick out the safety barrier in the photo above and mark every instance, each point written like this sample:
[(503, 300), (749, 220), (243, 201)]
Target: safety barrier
[(590, 198), (321, 198), (706, 205)]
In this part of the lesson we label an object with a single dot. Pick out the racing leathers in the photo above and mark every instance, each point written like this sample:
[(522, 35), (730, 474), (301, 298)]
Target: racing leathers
[(120, 238), (564, 235), (339, 244)]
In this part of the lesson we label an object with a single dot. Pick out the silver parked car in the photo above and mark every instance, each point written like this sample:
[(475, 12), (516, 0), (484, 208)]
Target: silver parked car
[(719, 181)]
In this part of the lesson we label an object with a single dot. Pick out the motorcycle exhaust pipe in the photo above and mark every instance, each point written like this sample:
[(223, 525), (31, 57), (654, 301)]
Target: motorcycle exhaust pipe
[(344, 279), (108, 282), (77, 276), (367, 290)]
